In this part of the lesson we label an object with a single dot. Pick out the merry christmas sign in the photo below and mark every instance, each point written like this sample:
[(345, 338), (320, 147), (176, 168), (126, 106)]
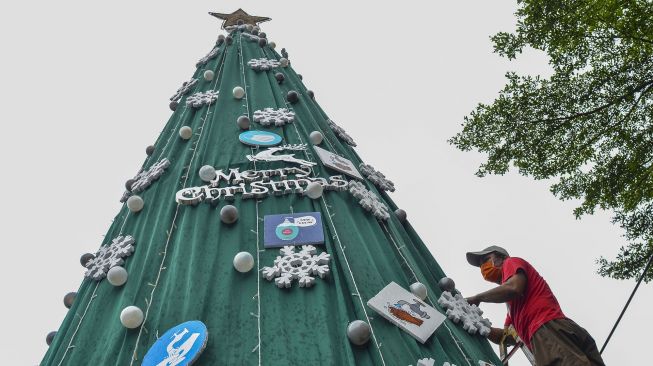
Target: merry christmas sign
[(406, 311), (293, 229)]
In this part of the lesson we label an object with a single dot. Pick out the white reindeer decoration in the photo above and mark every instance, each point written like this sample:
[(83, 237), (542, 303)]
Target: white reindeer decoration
[(268, 155)]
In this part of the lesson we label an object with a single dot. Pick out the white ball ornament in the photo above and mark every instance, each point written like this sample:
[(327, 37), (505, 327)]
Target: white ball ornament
[(208, 75), (314, 190), (316, 137), (135, 203), (272, 45), (283, 61), (131, 317), (418, 289), (239, 92), (243, 262), (117, 276), (229, 214), (185, 132), (359, 332), (207, 173)]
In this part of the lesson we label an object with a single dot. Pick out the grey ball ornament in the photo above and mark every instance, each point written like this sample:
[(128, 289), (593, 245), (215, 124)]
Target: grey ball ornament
[(359, 332), (208, 75), (131, 317), (85, 258), (129, 183), (117, 276), (310, 94), (292, 97), (229, 40), (220, 39), (135, 204), (401, 215), (262, 35), (243, 122), (447, 284), (229, 214), (262, 42), (238, 92), (50, 337), (185, 132), (173, 105), (314, 190), (207, 173), (149, 150), (69, 299), (272, 45), (243, 262), (418, 289), (316, 137), (255, 30), (280, 77)]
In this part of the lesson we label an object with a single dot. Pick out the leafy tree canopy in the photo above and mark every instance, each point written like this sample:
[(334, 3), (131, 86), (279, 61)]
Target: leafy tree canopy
[(589, 124)]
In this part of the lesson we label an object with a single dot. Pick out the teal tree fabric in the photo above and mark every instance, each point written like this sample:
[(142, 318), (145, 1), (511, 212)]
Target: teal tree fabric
[(182, 265)]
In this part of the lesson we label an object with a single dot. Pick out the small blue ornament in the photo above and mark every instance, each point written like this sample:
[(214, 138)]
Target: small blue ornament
[(259, 138)]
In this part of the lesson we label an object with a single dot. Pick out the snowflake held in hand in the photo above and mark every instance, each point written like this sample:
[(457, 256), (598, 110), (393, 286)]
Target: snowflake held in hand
[(376, 177), (210, 56), (298, 266), (271, 116), (369, 200), (200, 99), (459, 311), (262, 64), (144, 179), (109, 256), (341, 133), (184, 89)]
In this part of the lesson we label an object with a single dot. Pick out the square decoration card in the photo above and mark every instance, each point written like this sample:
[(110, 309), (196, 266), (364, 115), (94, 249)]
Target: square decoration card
[(293, 229), (337, 163)]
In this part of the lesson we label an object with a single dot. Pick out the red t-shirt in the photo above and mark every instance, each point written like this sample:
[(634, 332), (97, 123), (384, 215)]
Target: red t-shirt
[(536, 306)]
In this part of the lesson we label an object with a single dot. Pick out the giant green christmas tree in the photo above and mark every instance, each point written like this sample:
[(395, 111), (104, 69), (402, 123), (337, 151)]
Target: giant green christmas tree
[(205, 196)]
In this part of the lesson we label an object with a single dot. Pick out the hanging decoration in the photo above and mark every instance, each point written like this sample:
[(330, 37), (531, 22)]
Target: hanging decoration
[(405, 311), (238, 92), (337, 162), (284, 53), (149, 150), (85, 258), (50, 337), (135, 203), (209, 75), (418, 289), (69, 299), (131, 317), (259, 138), (446, 284), (184, 89), (401, 215), (376, 177), (185, 132), (314, 190), (243, 122), (292, 97), (368, 200), (173, 105), (178, 346), (284, 62), (280, 77), (243, 262), (144, 179), (200, 99), (210, 56), (316, 137), (262, 64), (268, 155), (117, 276), (459, 311), (292, 229), (359, 332), (276, 117), (341, 133), (298, 266), (207, 173), (229, 214), (109, 256)]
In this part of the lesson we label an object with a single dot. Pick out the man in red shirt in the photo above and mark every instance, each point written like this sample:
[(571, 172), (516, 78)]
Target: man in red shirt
[(533, 311)]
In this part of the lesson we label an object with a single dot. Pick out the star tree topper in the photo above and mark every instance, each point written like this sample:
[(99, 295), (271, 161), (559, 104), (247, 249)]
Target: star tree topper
[(240, 14)]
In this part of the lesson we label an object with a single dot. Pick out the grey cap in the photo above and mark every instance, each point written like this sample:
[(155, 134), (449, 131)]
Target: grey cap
[(474, 258)]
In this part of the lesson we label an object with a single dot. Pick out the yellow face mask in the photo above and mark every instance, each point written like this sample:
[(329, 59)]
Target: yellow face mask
[(490, 272)]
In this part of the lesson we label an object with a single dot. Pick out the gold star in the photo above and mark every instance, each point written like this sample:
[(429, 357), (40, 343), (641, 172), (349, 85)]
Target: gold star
[(240, 14)]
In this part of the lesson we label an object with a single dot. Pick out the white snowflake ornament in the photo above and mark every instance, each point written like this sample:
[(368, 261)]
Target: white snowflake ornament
[(459, 311), (298, 266), (109, 256), (184, 89), (376, 177), (210, 56), (200, 99), (369, 200), (262, 64), (341, 133), (276, 117), (144, 179)]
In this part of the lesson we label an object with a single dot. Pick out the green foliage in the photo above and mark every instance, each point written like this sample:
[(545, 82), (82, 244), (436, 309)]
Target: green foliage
[(590, 124)]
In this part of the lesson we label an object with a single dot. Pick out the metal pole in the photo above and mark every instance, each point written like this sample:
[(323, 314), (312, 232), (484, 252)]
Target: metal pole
[(648, 264)]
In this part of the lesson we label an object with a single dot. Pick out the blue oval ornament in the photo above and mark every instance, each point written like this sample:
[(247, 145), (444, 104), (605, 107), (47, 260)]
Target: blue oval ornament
[(179, 346), (259, 138)]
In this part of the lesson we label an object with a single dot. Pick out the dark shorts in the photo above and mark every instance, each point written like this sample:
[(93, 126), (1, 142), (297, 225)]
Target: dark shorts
[(562, 342)]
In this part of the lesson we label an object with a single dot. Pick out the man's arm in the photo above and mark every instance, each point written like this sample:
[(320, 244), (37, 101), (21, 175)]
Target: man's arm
[(510, 289)]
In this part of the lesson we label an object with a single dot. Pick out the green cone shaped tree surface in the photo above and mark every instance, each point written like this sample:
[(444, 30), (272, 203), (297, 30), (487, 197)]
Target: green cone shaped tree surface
[(182, 267)]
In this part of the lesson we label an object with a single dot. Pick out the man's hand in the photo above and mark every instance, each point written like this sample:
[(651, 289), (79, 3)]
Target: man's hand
[(473, 300)]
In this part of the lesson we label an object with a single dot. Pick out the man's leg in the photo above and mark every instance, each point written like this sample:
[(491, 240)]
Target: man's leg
[(561, 342)]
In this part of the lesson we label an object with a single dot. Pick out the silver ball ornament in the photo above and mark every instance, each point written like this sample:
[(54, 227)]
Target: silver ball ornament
[(85, 258), (359, 332), (149, 150), (173, 105), (243, 262), (314, 190), (292, 97), (69, 299), (272, 45), (50, 337), (117, 276), (418, 289), (447, 284), (310, 94), (316, 137), (243, 122), (262, 35), (229, 40), (401, 215), (208, 75), (220, 39), (239, 92), (280, 77), (185, 132), (135, 203), (262, 42), (229, 214), (283, 61), (207, 173), (131, 317)]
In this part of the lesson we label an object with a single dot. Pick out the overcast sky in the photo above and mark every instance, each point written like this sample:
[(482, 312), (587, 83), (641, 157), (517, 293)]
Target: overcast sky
[(85, 87)]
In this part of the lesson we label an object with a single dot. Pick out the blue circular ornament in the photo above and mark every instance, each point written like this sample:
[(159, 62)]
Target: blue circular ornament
[(259, 138), (179, 346)]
